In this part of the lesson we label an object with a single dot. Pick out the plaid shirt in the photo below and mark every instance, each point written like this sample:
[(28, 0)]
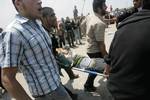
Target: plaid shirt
[(26, 45)]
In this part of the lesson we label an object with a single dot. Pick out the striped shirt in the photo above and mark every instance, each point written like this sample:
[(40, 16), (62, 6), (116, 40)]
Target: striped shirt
[(26, 45)]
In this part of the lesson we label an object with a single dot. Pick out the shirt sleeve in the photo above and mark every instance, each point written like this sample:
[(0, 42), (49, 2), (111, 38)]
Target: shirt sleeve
[(99, 31), (13, 50)]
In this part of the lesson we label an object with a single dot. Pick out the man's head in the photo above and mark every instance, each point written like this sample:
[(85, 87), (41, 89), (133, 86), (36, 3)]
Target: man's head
[(137, 3), (146, 4), (48, 18), (99, 7), (28, 8), (75, 7), (67, 18)]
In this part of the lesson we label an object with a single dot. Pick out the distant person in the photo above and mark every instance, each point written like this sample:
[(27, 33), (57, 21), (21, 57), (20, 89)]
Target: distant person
[(70, 34), (137, 7), (94, 27), (63, 23), (61, 35), (75, 25), (26, 46), (128, 63), (75, 12)]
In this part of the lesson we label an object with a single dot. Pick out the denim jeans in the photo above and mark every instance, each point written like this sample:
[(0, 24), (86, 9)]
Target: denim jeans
[(59, 94)]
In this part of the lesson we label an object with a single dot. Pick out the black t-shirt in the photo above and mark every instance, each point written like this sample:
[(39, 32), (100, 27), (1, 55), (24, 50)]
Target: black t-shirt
[(68, 25)]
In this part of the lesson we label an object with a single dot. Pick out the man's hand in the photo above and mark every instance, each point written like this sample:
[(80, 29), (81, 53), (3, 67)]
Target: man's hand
[(12, 85), (107, 70)]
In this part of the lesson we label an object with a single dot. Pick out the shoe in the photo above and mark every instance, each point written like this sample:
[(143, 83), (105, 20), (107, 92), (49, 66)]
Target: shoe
[(80, 43), (74, 46), (90, 89), (74, 77), (71, 46)]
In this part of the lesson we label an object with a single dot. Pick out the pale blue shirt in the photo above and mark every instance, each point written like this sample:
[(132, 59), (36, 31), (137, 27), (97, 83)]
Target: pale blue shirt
[(26, 45)]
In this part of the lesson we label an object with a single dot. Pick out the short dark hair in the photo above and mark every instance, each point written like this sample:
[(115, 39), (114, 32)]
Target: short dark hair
[(13, 1), (97, 4), (146, 4), (46, 11)]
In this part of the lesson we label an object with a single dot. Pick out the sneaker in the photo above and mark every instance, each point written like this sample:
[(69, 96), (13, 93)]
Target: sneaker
[(90, 89)]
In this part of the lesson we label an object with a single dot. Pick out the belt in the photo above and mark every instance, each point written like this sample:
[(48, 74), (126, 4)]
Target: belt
[(40, 96)]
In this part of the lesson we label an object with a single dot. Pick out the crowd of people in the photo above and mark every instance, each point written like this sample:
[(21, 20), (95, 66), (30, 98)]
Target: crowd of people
[(31, 45)]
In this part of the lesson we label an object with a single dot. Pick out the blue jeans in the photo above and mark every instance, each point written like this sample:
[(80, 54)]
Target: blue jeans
[(59, 94)]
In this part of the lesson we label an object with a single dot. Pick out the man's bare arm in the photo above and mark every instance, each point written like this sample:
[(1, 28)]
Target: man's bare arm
[(102, 48), (12, 85)]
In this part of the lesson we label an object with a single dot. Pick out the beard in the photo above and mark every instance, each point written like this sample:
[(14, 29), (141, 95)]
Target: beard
[(103, 12)]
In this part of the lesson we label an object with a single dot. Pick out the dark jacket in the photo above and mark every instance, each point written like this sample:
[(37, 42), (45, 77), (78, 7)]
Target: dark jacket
[(129, 53), (68, 25), (125, 15)]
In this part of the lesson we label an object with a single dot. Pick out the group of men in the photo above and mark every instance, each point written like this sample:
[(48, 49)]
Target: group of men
[(26, 46)]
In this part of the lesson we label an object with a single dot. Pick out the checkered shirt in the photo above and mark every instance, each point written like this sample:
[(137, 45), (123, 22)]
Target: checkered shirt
[(26, 45)]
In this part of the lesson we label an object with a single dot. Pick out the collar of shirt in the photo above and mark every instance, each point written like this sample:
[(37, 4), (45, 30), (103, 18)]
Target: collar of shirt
[(99, 16), (21, 18)]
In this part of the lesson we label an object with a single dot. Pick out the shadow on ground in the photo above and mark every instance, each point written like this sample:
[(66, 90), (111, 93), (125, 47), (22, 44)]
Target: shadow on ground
[(83, 95)]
